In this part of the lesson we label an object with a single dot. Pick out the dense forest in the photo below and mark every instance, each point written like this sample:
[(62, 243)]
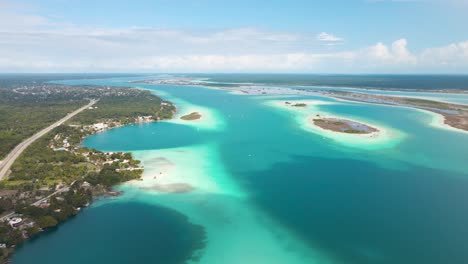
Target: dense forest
[(21, 117)]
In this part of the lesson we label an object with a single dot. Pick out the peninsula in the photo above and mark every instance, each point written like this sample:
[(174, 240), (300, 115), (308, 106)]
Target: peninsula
[(455, 115), (48, 177)]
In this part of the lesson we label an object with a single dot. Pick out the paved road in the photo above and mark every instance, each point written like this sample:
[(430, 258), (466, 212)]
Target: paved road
[(5, 165), (64, 189)]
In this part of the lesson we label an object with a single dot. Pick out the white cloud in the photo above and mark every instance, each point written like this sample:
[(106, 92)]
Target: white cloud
[(452, 55), (31, 43), (329, 38), (397, 54)]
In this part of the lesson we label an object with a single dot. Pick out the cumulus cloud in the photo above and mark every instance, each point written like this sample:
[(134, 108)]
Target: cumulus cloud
[(397, 53), (452, 55)]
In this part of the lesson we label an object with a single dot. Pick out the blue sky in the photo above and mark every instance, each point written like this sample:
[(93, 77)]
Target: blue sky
[(354, 36)]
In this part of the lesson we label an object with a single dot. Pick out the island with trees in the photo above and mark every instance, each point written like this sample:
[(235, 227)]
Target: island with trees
[(191, 116), (343, 125)]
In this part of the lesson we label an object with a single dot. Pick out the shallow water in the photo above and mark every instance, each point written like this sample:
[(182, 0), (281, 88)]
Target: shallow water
[(268, 190)]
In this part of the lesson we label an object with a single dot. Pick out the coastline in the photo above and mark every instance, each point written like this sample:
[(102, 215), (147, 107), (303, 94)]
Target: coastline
[(439, 121), (118, 168), (190, 81), (210, 118)]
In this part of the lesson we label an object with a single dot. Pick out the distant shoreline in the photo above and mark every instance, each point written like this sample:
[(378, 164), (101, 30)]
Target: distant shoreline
[(207, 82)]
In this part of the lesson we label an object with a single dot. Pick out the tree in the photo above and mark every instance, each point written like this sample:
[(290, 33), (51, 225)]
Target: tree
[(46, 221)]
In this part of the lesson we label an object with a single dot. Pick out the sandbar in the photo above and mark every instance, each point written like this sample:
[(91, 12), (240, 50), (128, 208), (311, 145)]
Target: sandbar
[(170, 188)]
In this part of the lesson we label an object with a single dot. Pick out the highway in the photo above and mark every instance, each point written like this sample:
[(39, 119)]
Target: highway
[(6, 164)]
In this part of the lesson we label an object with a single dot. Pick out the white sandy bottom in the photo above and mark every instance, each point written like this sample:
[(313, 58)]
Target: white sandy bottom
[(385, 137), (211, 119), (237, 232)]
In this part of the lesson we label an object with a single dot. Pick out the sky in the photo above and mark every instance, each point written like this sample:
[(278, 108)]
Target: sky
[(246, 36)]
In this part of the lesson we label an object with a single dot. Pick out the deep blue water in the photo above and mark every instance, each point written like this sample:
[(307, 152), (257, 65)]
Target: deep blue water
[(117, 233)]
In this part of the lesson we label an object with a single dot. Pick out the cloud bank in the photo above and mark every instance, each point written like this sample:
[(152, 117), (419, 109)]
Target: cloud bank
[(31, 43)]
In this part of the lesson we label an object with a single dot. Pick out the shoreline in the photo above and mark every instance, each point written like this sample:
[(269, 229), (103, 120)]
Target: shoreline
[(342, 125), (382, 137), (372, 135), (116, 168), (234, 86), (459, 121), (454, 116), (194, 116)]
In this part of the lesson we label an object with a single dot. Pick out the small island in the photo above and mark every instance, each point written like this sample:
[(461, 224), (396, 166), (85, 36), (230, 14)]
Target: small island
[(343, 126), (296, 104), (191, 116)]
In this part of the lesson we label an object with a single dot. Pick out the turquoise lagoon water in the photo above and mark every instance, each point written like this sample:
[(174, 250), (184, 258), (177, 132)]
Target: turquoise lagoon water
[(268, 190)]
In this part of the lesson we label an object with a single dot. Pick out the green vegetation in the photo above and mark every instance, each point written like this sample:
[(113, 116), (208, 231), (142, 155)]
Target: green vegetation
[(353, 131), (426, 103), (124, 109), (56, 164), (24, 110), (341, 126), (299, 105), (44, 166), (21, 117), (41, 166), (36, 219), (192, 116)]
